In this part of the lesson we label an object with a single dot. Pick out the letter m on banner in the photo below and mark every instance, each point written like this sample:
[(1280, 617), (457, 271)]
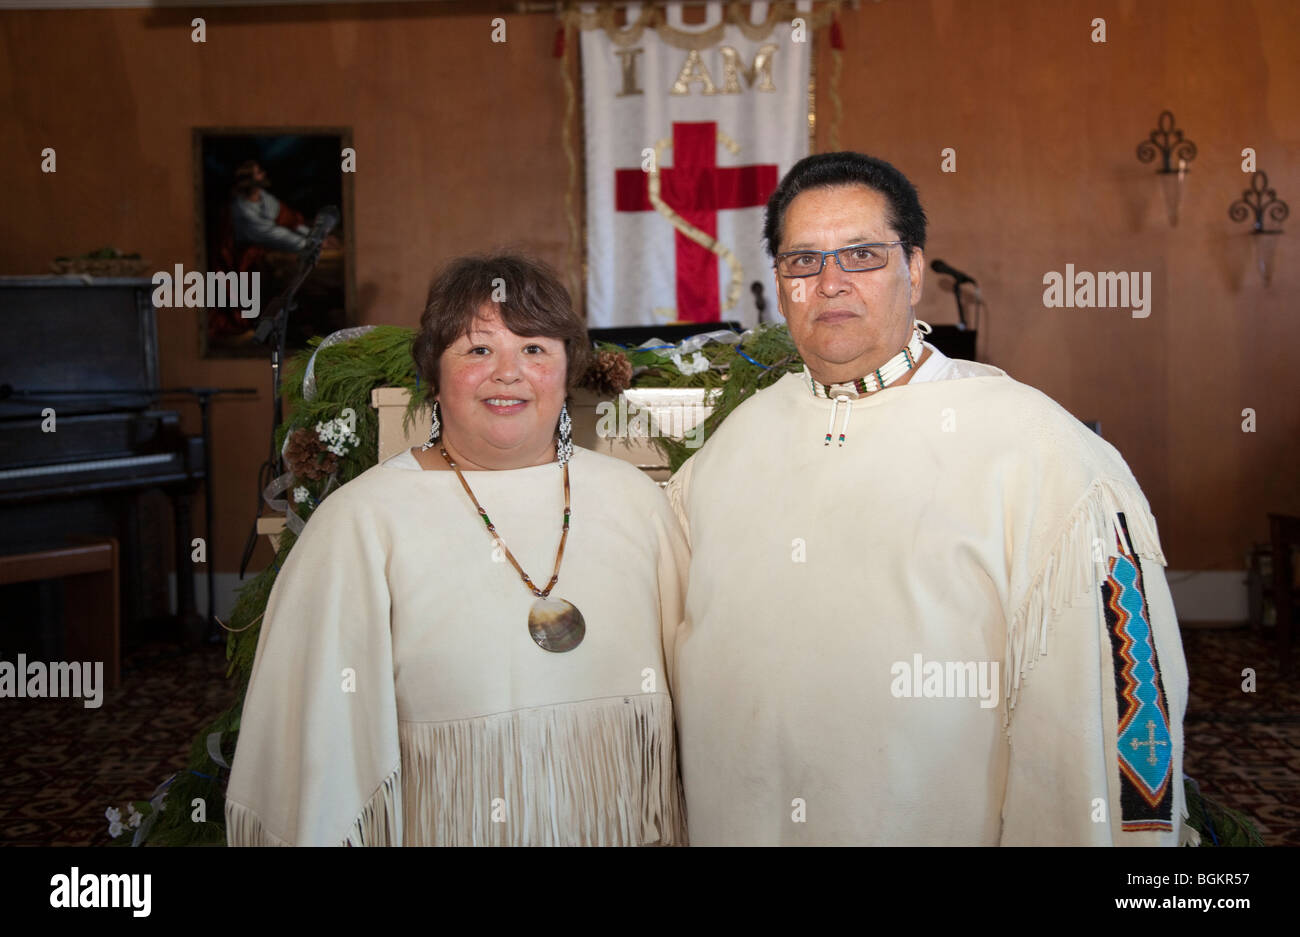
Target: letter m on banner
[(685, 141)]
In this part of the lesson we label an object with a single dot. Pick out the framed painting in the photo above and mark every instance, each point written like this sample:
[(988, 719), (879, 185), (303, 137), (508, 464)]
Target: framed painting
[(257, 192)]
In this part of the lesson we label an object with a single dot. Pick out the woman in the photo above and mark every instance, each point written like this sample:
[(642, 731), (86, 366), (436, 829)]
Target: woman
[(466, 644)]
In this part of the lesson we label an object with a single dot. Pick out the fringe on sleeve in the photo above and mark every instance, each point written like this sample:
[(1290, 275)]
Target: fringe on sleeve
[(676, 491), (378, 824), (244, 828), (1074, 567)]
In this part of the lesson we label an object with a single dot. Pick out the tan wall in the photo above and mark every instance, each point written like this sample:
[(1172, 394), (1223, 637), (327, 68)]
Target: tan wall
[(458, 146)]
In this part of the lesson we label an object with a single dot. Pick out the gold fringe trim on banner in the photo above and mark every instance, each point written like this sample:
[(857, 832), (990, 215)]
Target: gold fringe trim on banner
[(837, 106), (735, 14), (576, 274), (812, 100)]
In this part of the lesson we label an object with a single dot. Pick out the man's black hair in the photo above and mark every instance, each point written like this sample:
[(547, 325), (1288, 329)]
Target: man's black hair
[(828, 170)]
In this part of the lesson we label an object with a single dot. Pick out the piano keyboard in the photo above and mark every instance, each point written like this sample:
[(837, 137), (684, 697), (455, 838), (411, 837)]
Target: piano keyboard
[(95, 465)]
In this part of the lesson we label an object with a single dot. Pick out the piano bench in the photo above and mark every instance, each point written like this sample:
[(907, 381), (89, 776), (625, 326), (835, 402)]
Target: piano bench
[(92, 611)]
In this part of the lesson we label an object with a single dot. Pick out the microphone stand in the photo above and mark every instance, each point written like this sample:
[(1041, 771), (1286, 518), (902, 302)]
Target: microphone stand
[(204, 396), (274, 329), (961, 312), (760, 302)]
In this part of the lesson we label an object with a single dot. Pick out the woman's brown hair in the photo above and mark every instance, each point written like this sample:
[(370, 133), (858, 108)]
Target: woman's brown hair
[(532, 302)]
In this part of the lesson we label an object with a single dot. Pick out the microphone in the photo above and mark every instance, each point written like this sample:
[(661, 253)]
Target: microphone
[(938, 266), (760, 303), (326, 220)]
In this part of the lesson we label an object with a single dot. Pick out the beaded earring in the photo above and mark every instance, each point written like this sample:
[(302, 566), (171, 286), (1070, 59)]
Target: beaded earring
[(435, 430), (564, 447)]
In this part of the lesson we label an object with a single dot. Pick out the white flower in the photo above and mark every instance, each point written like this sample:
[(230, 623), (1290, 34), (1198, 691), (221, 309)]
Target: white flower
[(115, 829), (113, 815), (337, 437), (697, 363), (133, 816), (300, 494)]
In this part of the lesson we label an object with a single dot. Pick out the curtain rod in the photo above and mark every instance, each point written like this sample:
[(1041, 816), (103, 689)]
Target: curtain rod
[(555, 6)]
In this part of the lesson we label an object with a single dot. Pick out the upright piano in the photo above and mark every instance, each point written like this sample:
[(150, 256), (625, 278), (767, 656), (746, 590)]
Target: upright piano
[(84, 448)]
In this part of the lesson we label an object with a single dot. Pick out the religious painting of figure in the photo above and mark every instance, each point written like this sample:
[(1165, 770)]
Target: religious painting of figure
[(258, 192)]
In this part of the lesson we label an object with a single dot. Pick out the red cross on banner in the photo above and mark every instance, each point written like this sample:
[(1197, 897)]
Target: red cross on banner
[(697, 189)]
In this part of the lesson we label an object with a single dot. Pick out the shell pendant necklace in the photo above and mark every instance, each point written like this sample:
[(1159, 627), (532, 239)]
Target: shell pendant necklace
[(555, 625)]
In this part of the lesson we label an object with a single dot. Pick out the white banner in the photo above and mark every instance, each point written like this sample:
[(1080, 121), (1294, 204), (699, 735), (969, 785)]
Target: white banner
[(684, 146)]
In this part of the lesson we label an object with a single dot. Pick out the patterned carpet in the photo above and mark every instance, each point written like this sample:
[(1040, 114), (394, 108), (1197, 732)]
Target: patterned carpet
[(1244, 748), (65, 764)]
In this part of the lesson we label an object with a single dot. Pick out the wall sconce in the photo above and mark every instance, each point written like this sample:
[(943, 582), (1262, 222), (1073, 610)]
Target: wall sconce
[(1169, 143), (1263, 202)]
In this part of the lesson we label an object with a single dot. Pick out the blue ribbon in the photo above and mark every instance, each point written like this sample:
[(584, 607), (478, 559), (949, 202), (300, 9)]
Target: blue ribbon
[(760, 364)]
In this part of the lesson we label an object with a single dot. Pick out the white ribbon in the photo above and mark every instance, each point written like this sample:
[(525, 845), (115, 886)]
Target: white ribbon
[(342, 335), (214, 749), (155, 801), (271, 496), (292, 520), (696, 342)]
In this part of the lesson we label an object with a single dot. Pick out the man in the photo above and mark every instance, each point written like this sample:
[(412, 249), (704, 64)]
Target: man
[(259, 218), (922, 595)]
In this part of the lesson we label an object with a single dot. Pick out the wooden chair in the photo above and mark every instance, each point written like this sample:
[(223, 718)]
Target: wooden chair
[(92, 612), (1284, 531)]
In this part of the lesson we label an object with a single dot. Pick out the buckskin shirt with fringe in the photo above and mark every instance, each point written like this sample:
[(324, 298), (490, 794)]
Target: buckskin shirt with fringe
[(835, 592), (397, 698)]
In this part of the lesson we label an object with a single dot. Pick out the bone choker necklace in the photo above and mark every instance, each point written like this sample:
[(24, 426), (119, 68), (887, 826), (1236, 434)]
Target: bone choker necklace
[(889, 372)]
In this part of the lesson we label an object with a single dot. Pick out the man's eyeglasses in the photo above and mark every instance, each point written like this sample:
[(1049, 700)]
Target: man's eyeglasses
[(852, 259)]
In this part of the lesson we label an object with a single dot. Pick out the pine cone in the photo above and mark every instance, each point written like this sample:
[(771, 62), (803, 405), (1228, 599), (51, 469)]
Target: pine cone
[(610, 373), (307, 458)]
